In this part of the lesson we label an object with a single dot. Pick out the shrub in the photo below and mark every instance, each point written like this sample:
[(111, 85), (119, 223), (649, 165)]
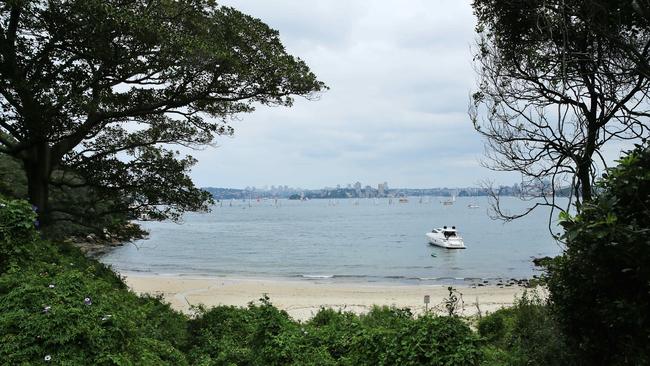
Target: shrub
[(600, 287), (526, 334), (497, 326), (394, 337), (75, 311), (18, 234), (258, 335), (264, 335)]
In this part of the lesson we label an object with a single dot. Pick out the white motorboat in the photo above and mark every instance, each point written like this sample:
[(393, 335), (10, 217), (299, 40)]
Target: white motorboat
[(446, 237)]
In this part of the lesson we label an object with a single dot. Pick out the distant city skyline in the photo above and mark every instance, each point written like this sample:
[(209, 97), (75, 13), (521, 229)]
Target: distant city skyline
[(359, 191), (352, 186)]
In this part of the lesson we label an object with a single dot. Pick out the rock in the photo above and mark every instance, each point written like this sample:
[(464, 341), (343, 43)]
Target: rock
[(541, 261)]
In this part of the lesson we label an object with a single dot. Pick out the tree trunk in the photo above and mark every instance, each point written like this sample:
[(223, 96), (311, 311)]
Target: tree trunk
[(584, 165), (38, 166), (584, 179)]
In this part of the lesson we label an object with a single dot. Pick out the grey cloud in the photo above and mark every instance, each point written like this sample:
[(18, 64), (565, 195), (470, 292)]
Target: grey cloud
[(400, 75)]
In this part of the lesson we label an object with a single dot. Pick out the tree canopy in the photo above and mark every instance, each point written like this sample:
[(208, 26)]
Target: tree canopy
[(559, 80), (95, 94)]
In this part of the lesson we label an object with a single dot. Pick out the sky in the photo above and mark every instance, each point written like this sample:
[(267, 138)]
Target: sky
[(400, 75)]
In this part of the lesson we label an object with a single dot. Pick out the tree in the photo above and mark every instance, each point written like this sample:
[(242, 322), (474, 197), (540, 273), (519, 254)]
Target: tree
[(95, 93), (559, 80), (600, 287)]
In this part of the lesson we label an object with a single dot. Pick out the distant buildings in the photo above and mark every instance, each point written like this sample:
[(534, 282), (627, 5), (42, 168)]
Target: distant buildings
[(382, 189), (357, 191), (357, 188)]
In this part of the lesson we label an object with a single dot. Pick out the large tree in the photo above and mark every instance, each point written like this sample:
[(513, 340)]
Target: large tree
[(95, 93), (559, 80)]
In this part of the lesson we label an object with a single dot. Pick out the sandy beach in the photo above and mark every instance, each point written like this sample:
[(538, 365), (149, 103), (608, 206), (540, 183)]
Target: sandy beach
[(302, 299)]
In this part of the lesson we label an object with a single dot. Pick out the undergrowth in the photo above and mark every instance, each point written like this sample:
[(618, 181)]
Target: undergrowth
[(59, 307)]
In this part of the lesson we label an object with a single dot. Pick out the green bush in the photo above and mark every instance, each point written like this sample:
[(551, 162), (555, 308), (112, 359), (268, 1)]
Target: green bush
[(258, 335), (497, 326), (71, 310), (526, 334), (18, 234), (600, 287), (264, 335)]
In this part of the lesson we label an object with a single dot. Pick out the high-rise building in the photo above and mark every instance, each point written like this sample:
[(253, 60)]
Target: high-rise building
[(357, 188)]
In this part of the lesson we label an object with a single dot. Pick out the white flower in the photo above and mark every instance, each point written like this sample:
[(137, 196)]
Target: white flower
[(47, 309), (51, 285), (47, 358), (88, 301)]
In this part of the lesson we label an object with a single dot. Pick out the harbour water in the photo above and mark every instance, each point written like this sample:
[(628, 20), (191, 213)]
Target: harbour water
[(368, 240)]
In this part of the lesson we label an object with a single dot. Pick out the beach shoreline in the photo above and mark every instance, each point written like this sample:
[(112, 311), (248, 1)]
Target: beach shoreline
[(302, 299)]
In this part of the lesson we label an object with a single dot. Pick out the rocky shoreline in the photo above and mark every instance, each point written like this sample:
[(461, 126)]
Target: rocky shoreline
[(93, 245)]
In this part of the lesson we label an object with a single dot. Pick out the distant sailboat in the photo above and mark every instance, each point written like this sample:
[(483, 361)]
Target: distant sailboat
[(449, 202), (474, 204)]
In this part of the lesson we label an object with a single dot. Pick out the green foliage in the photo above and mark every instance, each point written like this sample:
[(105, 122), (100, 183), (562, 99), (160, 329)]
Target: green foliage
[(13, 182), (78, 211), (18, 233), (526, 334), (258, 335), (101, 95), (496, 327), (263, 335), (78, 312), (600, 287), (427, 340)]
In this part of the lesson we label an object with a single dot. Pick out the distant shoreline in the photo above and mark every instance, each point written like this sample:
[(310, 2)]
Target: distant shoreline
[(302, 299)]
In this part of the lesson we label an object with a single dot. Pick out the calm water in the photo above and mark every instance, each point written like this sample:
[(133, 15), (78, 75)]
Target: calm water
[(352, 240)]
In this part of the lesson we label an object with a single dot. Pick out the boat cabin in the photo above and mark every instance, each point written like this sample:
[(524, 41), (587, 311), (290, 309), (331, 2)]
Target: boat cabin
[(447, 232)]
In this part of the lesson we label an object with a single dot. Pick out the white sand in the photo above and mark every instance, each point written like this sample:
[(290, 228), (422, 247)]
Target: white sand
[(302, 299)]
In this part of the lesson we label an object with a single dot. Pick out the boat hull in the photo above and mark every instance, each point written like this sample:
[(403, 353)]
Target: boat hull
[(448, 243)]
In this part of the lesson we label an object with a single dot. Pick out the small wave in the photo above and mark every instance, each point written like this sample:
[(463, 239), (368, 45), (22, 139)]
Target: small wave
[(395, 278), (136, 270), (380, 278), (317, 276)]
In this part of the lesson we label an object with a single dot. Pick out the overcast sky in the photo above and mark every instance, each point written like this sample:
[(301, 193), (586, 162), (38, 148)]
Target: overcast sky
[(400, 75)]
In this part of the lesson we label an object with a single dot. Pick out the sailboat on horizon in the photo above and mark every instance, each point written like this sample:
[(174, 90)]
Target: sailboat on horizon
[(449, 202)]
